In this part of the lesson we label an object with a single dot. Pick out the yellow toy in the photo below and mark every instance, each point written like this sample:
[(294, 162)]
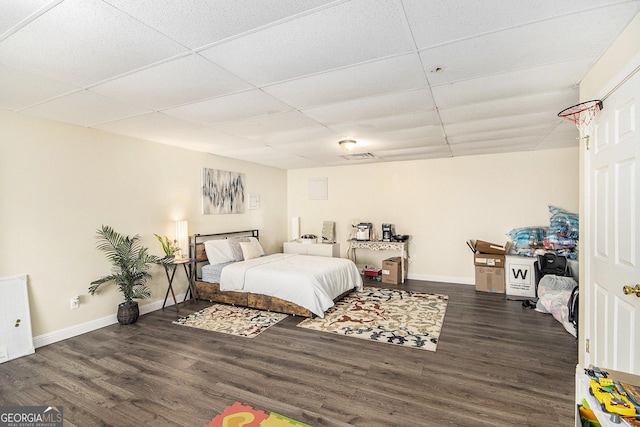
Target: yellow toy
[(610, 397)]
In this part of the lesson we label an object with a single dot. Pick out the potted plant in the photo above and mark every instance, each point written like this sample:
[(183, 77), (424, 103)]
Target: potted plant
[(169, 247), (131, 263)]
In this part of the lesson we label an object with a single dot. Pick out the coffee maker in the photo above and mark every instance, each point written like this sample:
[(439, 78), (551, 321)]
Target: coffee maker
[(387, 232), (363, 231)]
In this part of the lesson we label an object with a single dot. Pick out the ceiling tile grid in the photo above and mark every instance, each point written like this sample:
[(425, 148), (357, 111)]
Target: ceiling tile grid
[(280, 82)]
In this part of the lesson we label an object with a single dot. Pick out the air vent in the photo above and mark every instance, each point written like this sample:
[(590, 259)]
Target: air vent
[(359, 156)]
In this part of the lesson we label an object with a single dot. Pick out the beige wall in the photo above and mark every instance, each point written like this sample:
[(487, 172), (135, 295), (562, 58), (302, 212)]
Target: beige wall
[(440, 203), (59, 183)]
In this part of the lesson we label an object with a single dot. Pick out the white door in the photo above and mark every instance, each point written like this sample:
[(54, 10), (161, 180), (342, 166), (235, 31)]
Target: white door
[(612, 184)]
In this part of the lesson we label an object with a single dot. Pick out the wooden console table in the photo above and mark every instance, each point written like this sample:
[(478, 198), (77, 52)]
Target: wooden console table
[(400, 247)]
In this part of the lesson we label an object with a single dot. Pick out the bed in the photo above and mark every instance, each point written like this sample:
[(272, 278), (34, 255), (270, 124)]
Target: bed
[(232, 268)]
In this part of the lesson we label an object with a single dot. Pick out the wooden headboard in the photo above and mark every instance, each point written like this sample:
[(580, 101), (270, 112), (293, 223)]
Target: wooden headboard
[(196, 242)]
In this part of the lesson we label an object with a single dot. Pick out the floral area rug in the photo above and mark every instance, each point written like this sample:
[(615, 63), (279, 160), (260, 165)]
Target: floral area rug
[(239, 414), (229, 319), (410, 319)]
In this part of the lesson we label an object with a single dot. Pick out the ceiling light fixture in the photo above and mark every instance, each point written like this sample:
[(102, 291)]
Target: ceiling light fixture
[(347, 144)]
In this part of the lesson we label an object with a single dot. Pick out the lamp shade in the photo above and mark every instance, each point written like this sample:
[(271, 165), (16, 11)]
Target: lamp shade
[(182, 237)]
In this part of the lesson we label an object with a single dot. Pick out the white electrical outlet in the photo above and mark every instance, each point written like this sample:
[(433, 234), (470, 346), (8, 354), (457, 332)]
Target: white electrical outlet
[(75, 302)]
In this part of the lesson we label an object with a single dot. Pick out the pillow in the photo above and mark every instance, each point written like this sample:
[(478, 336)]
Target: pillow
[(218, 251), (257, 243), (250, 250), (234, 243)]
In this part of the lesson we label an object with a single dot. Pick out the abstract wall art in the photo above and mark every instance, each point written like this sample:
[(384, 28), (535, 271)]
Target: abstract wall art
[(222, 192)]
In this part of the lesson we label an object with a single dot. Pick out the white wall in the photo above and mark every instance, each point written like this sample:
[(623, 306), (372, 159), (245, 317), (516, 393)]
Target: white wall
[(441, 203), (59, 183)]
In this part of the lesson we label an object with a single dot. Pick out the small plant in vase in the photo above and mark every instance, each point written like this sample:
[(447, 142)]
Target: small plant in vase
[(169, 247), (130, 270)]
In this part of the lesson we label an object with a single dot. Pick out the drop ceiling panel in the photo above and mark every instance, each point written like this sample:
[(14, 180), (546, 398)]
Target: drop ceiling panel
[(198, 23), (435, 152), (490, 135), (441, 21), (315, 134), (376, 145), (19, 90), (515, 49), (293, 163), (380, 106), (84, 41), (534, 103), (227, 108), (14, 12), (84, 108), (492, 147), (540, 120), (280, 82), (423, 133), (535, 80), (358, 81), (257, 127), (261, 153), (312, 148), (388, 123), (327, 39), (146, 126), (179, 81), (207, 136)]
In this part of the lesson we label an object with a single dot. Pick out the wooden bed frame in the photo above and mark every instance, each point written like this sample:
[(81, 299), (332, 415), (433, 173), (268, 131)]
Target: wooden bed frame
[(211, 291)]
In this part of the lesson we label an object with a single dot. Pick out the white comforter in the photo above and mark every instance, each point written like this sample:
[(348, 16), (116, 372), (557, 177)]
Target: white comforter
[(309, 281)]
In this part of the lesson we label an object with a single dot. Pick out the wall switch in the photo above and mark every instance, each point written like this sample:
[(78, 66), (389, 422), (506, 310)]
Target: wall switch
[(75, 302)]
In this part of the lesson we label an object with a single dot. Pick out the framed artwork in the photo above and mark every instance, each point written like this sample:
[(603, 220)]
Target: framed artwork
[(222, 192)]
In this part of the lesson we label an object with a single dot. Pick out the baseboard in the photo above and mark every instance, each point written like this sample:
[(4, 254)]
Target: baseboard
[(444, 279), (83, 328)]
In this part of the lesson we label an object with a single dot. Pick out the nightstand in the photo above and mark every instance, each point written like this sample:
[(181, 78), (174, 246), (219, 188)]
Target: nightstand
[(170, 270)]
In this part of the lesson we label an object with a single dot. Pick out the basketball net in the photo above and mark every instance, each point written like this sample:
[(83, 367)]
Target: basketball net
[(583, 115)]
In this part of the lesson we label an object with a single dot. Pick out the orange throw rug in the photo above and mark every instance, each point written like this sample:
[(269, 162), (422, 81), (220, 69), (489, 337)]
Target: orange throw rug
[(240, 415)]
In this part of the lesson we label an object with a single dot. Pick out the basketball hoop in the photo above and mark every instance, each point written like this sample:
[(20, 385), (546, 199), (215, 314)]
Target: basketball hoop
[(582, 116)]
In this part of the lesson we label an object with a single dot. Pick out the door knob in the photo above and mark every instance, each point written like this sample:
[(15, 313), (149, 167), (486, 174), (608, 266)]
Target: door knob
[(628, 290)]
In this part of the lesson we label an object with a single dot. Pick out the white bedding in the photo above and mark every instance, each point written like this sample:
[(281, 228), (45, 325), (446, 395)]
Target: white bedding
[(311, 282)]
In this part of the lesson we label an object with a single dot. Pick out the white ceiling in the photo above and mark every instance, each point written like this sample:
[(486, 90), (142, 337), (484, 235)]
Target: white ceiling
[(280, 82)]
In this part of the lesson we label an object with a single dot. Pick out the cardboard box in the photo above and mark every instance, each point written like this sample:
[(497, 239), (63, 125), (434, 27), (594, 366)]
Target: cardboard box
[(520, 276), (488, 260), (392, 270), (490, 279), (483, 247)]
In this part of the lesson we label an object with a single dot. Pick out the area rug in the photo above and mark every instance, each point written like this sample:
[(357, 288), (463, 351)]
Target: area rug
[(239, 414), (229, 319), (406, 318)]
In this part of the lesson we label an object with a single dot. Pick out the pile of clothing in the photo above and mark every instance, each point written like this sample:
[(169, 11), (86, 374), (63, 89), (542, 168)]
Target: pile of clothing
[(560, 237)]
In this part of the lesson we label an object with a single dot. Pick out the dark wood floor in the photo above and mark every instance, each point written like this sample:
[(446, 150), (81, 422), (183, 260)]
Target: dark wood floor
[(497, 364)]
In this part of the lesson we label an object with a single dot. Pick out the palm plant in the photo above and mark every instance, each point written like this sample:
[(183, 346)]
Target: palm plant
[(131, 262)]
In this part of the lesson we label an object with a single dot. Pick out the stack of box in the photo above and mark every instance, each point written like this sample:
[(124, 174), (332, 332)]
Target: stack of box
[(489, 259), (372, 273)]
